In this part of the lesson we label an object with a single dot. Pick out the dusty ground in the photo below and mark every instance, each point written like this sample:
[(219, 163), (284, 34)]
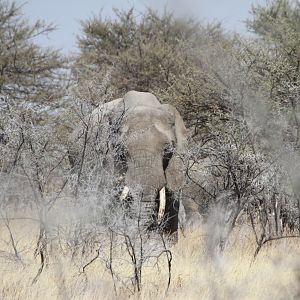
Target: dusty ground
[(196, 273)]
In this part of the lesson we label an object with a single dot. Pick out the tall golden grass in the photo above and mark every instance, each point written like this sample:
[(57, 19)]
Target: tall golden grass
[(196, 273)]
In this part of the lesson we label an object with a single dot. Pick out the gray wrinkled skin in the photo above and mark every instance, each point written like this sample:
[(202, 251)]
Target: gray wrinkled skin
[(153, 136)]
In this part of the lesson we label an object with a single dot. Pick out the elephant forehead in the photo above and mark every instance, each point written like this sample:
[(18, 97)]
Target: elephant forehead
[(153, 124), (149, 133), (149, 115)]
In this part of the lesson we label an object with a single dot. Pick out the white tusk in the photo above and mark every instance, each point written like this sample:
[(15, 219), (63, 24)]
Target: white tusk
[(162, 205), (124, 193)]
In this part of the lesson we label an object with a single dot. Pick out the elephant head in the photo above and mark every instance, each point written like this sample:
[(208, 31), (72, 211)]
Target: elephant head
[(153, 137)]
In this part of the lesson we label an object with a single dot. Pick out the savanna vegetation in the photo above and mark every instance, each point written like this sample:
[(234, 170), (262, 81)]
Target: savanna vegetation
[(64, 235)]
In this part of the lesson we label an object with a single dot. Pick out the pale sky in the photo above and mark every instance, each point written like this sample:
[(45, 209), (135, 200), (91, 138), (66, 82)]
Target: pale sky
[(66, 14)]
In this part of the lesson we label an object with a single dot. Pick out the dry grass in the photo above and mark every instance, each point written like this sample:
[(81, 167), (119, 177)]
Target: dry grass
[(196, 274)]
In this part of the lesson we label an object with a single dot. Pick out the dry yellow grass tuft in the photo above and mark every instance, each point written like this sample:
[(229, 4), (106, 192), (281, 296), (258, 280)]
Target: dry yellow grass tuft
[(196, 273)]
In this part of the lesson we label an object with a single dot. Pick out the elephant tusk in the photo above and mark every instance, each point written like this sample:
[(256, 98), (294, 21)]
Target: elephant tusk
[(162, 205), (124, 193)]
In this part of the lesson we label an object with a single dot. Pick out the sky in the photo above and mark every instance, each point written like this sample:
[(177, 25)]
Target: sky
[(66, 14)]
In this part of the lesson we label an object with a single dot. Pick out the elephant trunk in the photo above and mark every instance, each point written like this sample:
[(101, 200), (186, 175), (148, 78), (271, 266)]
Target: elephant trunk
[(146, 175), (147, 209), (145, 172)]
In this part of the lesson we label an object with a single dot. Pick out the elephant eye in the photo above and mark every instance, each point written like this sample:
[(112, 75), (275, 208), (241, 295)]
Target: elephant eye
[(167, 155)]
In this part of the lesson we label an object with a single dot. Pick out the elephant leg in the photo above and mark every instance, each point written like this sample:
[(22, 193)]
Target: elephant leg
[(171, 215)]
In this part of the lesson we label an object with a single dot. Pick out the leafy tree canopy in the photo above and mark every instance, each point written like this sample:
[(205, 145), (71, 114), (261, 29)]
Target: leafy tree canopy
[(157, 53), (27, 71)]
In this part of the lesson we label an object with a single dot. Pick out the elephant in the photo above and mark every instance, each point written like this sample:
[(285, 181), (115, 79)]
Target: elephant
[(154, 140)]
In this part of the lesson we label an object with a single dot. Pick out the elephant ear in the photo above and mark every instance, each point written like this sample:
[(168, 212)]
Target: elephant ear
[(107, 115), (175, 170), (110, 119)]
